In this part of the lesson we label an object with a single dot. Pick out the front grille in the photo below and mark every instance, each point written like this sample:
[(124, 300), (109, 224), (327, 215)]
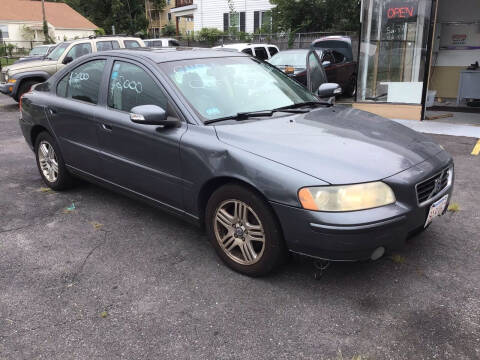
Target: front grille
[(432, 186)]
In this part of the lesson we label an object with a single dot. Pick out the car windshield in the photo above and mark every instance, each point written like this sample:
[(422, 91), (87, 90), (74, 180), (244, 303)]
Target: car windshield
[(295, 58), (223, 87), (39, 50), (58, 51)]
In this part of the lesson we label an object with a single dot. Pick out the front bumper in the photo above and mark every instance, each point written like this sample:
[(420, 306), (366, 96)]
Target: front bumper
[(5, 88), (352, 236)]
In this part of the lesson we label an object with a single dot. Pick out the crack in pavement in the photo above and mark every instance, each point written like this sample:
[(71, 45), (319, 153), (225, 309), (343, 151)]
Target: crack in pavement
[(80, 269)]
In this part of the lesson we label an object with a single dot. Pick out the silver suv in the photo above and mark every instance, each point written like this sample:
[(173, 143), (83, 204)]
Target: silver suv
[(17, 79)]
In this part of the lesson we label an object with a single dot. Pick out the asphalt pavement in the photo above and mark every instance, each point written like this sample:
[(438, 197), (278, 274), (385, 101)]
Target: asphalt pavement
[(90, 274)]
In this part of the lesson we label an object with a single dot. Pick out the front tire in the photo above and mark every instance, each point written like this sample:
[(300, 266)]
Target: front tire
[(50, 163), (244, 231)]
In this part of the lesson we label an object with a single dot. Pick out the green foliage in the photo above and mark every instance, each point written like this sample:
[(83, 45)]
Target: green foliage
[(100, 32), (128, 16), (159, 4), (209, 35), (245, 37), (169, 30), (316, 15)]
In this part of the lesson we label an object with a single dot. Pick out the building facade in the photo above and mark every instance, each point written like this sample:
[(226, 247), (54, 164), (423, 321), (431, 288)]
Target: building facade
[(413, 52), (159, 18), (21, 22), (247, 15)]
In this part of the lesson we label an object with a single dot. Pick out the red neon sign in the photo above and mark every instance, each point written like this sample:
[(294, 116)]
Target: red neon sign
[(400, 12)]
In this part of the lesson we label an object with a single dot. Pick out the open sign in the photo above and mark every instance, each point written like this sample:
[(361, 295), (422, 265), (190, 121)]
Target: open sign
[(401, 11)]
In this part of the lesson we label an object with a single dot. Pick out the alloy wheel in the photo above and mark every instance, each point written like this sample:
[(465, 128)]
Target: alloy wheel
[(239, 232), (48, 161)]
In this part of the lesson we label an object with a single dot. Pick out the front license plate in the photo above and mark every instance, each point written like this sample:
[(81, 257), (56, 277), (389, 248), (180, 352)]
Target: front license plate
[(437, 209)]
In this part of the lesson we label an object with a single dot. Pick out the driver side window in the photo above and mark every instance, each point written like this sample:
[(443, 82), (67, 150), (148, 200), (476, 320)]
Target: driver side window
[(131, 86)]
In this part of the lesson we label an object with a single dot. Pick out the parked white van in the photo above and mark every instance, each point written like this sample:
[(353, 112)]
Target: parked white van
[(260, 51)]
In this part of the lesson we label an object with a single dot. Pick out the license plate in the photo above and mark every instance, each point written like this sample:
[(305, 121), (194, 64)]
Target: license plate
[(437, 209)]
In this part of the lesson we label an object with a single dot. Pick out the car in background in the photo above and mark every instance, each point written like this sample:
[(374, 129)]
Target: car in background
[(337, 68), (17, 79), (37, 53), (260, 51), (232, 144), (161, 42)]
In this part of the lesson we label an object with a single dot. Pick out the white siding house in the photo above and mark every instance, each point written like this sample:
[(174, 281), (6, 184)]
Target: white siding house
[(215, 13)]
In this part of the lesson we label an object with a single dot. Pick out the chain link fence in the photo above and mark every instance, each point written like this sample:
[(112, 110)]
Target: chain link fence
[(12, 50), (282, 40)]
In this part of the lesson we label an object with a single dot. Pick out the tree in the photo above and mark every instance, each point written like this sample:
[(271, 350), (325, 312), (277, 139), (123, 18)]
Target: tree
[(316, 15)]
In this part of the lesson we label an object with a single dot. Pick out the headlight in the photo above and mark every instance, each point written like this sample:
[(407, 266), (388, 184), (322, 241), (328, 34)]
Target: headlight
[(6, 76), (346, 197)]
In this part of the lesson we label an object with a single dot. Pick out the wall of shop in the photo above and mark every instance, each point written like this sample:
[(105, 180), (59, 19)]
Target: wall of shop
[(451, 57)]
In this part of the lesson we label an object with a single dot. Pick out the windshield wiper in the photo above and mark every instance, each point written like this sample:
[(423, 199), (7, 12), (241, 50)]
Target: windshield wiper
[(241, 116), (302, 104)]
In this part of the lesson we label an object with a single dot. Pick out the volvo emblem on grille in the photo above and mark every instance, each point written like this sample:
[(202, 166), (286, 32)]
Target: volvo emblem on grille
[(437, 187)]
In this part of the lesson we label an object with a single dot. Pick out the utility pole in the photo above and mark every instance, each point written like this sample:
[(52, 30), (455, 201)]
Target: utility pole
[(45, 24)]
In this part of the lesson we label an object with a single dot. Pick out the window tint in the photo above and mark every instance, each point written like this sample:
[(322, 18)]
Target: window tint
[(157, 43), (248, 51), (83, 83), (107, 45), (131, 44), (272, 50), (328, 57), (173, 43), (131, 86), (261, 53), (104, 45), (339, 58), (79, 50)]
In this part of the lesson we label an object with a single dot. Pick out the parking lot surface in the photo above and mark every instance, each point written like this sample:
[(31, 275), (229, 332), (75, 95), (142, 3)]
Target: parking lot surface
[(90, 274)]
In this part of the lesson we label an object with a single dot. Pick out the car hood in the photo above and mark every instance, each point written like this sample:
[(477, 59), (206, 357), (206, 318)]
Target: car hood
[(33, 65), (339, 145)]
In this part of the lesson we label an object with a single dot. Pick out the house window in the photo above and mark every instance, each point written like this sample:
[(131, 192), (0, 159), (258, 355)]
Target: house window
[(266, 19), (234, 24), (169, 17), (262, 21), (4, 31)]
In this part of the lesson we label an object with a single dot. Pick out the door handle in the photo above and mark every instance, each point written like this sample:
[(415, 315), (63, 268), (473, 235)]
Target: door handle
[(52, 111), (106, 127)]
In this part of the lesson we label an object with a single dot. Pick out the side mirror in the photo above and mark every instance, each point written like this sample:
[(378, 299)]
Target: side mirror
[(151, 115), (67, 60), (326, 63), (327, 90)]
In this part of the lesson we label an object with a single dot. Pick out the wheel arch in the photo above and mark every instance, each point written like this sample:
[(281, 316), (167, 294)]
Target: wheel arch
[(212, 185), (36, 130)]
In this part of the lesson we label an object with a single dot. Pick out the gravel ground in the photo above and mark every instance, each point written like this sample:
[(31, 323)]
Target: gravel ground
[(114, 278)]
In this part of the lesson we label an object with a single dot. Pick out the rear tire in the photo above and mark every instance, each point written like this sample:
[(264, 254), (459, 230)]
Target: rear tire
[(244, 231), (50, 163)]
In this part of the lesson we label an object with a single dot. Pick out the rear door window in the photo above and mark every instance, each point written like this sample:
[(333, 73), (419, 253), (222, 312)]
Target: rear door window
[(83, 83), (79, 50), (339, 58), (107, 45), (131, 44), (173, 43), (272, 50), (261, 53), (248, 51)]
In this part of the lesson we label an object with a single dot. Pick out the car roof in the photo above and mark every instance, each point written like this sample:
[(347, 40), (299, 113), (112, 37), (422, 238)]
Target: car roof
[(161, 55), (159, 39), (241, 46)]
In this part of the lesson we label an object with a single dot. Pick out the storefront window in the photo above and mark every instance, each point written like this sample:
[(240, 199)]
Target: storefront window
[(393, 50)]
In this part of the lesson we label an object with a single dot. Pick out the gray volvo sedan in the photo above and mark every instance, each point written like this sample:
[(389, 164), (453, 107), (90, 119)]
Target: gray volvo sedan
[(231, 143)]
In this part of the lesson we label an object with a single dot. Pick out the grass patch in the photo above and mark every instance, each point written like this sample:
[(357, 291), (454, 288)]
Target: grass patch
[(7, 61), (454, 207)]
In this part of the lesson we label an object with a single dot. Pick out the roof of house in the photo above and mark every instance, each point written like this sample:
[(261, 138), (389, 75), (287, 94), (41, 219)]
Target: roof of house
[(60, 15)]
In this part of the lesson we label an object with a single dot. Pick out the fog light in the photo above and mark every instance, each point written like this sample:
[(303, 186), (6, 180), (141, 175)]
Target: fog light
[(378, 253)]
